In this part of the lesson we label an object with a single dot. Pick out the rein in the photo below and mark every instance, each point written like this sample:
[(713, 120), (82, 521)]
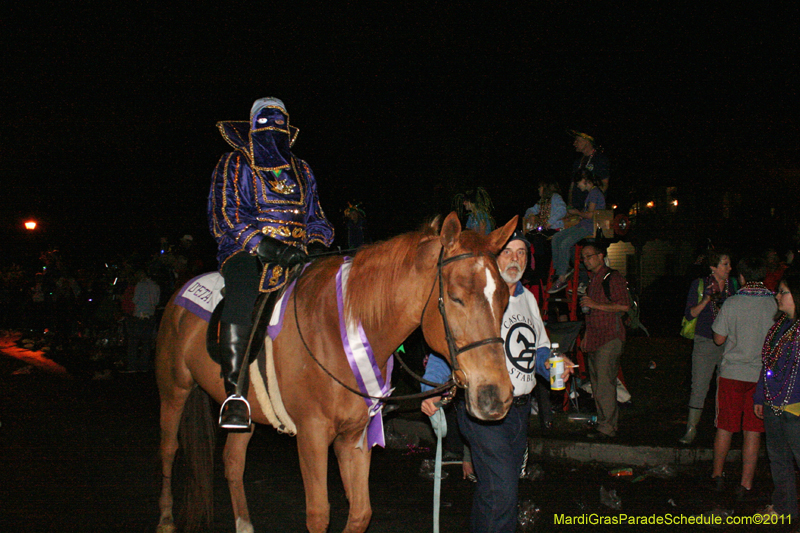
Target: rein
[(439, 389), (451, 343)]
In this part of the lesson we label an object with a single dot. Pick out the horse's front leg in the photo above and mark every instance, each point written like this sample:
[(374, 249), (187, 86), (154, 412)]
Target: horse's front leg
[(234, 456), (354, 468), (312, 447)]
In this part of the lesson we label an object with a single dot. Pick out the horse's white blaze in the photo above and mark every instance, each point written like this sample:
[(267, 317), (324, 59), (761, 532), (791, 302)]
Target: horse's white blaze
[(489, 289)]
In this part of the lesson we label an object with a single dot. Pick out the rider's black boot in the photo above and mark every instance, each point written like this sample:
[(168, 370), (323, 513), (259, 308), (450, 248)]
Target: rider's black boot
[(235, 411)]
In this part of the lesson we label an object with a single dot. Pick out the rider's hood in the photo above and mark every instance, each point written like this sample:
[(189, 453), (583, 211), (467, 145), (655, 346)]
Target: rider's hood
[(266, 147)]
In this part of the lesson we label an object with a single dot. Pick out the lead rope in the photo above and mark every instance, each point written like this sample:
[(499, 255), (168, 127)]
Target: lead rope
[(439, 423)]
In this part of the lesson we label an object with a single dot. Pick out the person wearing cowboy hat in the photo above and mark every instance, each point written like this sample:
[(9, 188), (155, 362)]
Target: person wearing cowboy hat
[(592, 161), (263, 212)]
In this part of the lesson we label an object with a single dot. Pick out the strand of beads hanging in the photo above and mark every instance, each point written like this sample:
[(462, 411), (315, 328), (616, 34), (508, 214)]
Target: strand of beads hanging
[(727, 290), (755, 288), (779, 337)]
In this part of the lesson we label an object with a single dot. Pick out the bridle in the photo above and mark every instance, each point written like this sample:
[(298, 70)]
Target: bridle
[(453, 349)]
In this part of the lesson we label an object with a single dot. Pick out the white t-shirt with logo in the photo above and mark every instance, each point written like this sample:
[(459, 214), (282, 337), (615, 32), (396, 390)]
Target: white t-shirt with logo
[(523, 334)]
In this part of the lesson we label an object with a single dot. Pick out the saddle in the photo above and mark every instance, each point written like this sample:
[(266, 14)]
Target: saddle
[(260, 363), (260, 325)]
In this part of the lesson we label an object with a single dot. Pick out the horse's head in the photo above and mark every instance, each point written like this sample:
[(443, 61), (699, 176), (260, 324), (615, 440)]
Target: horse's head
[(474, 298)]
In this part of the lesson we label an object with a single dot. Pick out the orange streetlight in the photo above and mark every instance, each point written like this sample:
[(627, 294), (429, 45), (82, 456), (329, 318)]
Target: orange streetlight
[(30, 225)]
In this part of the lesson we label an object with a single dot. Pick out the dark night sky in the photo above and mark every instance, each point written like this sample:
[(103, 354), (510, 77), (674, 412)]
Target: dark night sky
[(109, 113)]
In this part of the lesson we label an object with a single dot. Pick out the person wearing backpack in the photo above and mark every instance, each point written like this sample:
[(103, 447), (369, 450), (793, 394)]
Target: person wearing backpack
[(604, 337), (705, 299)]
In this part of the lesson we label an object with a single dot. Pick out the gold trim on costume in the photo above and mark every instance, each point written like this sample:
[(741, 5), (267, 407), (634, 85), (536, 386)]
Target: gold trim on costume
[(269, 288), (270, 128), (221, 128), (277, 271), (300, 181)]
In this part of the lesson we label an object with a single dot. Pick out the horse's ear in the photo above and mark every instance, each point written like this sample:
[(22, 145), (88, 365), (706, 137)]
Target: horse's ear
[(500, 236), (451, 231)]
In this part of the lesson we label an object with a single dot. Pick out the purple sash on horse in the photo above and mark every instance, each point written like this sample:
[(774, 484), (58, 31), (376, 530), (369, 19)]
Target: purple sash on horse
[(201, 295), (362, 363)]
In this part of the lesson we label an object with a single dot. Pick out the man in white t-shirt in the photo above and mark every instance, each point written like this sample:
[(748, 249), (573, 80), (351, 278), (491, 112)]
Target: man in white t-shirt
[(498, 448)]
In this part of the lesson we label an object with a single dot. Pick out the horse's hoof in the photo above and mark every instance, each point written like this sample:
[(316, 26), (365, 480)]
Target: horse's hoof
[(244, 526), (165, 528)]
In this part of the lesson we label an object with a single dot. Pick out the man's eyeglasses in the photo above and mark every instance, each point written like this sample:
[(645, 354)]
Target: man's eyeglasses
[(585, 257)]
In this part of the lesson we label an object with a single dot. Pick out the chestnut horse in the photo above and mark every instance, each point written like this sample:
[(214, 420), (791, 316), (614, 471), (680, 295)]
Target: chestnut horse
[(394, 287)]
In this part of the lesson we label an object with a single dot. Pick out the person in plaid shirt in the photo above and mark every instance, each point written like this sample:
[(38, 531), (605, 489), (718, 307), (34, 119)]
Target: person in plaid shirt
[(604, 337)]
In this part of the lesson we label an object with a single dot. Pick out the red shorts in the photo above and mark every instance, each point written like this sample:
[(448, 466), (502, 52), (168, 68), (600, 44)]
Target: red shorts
[(735, 406)]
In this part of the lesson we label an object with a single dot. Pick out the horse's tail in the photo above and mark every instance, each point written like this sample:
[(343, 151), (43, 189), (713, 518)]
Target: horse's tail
[(198, 434)]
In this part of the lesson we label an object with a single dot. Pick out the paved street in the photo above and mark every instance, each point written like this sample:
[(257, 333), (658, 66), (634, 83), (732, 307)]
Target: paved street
[(81, 455)]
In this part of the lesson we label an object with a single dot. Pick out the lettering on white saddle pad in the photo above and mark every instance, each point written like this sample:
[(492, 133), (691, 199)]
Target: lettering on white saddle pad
[(202, 294)]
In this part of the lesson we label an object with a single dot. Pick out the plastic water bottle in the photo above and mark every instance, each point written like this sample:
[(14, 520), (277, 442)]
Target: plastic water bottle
[(581, 293), (556, 367)]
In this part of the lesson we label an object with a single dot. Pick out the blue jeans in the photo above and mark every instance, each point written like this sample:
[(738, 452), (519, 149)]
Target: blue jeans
[(783, 448), (562, 243), (497, 452)]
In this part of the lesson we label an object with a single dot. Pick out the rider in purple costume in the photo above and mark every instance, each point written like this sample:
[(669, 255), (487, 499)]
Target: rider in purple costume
[(263, 211)]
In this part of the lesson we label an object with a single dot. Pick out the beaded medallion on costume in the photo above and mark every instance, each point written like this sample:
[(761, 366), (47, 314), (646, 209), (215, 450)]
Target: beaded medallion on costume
[(774, 346)]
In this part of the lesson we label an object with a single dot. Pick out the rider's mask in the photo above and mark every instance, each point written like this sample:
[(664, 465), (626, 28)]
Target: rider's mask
[(270, 139)]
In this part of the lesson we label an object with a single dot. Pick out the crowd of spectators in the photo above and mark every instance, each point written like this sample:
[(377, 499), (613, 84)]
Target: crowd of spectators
[(82, 312)]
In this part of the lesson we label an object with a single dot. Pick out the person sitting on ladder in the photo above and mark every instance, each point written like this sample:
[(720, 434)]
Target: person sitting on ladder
[(564, 240)]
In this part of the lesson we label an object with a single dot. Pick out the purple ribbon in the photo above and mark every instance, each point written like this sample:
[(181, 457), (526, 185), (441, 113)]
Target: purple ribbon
[(363, 365)]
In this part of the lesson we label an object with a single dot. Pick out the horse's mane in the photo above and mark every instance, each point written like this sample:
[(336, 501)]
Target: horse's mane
[(377, 268)]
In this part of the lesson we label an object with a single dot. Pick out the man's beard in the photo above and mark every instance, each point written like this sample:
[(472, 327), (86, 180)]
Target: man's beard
[(509, 278)]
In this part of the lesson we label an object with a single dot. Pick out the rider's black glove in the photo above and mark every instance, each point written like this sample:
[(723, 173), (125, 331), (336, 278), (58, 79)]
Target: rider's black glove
[(272, 251)]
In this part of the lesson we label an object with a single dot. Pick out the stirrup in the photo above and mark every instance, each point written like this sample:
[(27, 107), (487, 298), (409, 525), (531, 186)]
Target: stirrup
[(234, 418)]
